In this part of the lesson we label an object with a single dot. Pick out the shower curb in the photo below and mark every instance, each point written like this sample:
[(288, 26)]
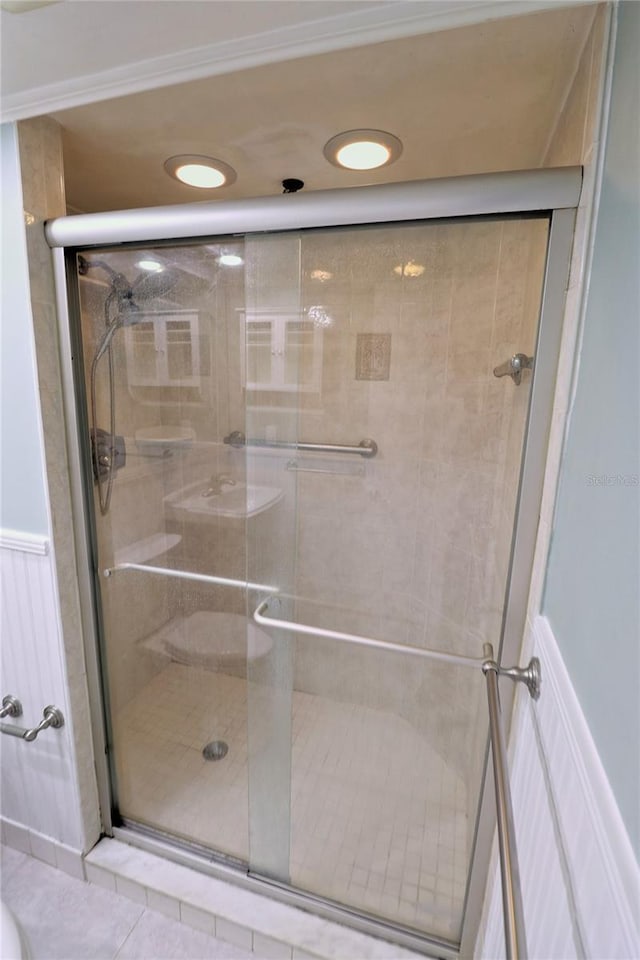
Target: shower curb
[(246, 919)]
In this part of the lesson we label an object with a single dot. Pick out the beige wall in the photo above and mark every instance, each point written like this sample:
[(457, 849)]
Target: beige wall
[(571, 141), (411, 546), (416, 549), (136, 604)]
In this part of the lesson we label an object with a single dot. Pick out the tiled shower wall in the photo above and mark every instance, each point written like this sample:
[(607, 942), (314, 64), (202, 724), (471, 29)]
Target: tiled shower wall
[(136, 604), (411, 546), (417, 548)]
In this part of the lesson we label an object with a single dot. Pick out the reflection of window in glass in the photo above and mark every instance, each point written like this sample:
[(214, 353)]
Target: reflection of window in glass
[(163, 351), (299, 351), (179, 350), (259, 351), (141, 353), (283, 352)]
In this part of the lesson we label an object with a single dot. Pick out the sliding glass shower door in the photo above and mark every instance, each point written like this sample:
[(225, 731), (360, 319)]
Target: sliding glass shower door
[(309, 422), (400, 329)]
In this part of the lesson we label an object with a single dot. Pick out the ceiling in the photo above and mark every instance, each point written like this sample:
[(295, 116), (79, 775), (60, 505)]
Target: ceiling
[(63, 46), (473, 99), (56, 54)]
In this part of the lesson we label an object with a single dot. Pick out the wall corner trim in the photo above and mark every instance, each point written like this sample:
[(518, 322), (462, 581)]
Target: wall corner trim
[(24, 542)]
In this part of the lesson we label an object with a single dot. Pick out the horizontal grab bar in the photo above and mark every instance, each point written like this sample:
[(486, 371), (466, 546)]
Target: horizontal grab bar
[(356, 471), (188, 575), (366, 448), (293, 627), (51, 717)]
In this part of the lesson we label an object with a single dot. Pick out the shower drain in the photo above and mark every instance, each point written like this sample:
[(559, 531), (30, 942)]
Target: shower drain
[(215, 750)]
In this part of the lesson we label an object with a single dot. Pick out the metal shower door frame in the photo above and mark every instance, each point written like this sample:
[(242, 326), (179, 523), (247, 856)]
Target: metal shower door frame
[(554, 192)]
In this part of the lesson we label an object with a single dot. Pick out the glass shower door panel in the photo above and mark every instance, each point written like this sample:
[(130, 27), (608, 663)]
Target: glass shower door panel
[(174, 651), (271, 417), (385, 781), (411, 546)]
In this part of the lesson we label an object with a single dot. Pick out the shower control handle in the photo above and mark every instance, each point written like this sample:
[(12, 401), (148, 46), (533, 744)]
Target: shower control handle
[(513, 367), (107, 450)]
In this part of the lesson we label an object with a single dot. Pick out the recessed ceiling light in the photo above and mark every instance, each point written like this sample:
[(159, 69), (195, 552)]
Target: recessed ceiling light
[(319, 316), (321, 275), (409, 269), (230, 260), (363, 149), (151, 265), (197, 171)]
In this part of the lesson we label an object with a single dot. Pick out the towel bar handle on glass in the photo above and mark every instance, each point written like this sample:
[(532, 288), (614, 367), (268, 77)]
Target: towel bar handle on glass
[(513, 913), (11, 707)]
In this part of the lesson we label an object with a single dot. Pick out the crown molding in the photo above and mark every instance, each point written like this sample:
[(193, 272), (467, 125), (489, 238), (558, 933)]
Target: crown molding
[(389, 21)]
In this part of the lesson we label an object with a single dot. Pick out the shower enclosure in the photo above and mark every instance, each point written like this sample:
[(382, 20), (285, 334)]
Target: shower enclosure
[(322, 462)]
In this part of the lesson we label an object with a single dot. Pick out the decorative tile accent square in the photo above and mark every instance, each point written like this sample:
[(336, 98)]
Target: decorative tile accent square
[(373, 356)]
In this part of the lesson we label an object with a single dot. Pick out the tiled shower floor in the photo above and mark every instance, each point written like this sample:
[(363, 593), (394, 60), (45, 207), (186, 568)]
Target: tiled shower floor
[(378, 820)]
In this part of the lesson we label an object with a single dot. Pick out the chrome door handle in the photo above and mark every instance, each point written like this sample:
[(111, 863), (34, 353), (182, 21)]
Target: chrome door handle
[(513, 367)]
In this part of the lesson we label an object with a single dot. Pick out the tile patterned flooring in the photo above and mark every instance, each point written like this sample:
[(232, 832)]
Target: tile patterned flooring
[(378, 820), (65, 919)]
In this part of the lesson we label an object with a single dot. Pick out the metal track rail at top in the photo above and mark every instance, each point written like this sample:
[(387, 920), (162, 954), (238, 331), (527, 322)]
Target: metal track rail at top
[(515, 191)]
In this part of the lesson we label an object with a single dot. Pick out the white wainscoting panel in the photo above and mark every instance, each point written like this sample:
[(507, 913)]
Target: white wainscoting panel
[(38, 784), (580, 878), (24, 542)]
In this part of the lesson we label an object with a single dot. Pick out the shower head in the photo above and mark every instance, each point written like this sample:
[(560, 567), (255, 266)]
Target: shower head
[(146, 287), (120, 286), (152, 286)]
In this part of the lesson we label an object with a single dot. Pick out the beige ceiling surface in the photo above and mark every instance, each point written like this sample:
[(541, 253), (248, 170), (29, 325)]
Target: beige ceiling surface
[(62, 41), (469, 100)]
